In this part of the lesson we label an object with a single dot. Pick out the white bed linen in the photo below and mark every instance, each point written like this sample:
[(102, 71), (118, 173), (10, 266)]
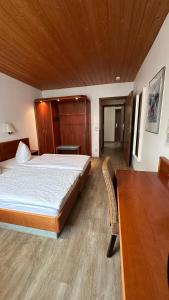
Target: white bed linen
[(38, 191), (60, 161), (56, 161), (12, 163), (9, 163)]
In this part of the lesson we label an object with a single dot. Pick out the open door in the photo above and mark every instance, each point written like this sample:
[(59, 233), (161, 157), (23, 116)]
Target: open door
[(118, 117), (101, 129), (128, 129)]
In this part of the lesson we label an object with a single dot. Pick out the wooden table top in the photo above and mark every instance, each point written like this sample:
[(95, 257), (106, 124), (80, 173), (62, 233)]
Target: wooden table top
[(143, 199)]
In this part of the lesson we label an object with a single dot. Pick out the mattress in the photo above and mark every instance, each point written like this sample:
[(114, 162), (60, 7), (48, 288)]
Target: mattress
[(37, 191), (12, 163), (60, 161), (9, 163)]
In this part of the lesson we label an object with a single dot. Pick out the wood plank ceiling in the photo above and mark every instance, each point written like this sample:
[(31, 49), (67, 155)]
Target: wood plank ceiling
[(66, 43)]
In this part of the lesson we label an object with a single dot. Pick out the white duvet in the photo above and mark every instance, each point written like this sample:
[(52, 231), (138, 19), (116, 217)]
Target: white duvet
[(60, 161), (33, 188)]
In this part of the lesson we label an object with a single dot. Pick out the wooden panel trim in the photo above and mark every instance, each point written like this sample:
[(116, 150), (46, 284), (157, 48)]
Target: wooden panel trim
[(8, 149), (27, 219), (40, 57)]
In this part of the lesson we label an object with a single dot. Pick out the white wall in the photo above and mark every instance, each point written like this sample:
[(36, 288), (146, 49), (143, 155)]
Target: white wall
[(109, 124), (154, 145), (16, 107), (94, 93)]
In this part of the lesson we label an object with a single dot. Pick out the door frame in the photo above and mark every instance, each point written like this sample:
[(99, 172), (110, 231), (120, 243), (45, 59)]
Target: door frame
[(130, 102), (103, 102), (117, 111)]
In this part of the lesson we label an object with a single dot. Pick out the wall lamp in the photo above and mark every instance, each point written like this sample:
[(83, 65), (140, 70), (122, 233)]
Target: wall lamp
[(8, 128)]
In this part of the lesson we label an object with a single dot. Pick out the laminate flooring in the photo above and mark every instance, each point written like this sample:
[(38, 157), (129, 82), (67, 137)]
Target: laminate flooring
[(75, 266)]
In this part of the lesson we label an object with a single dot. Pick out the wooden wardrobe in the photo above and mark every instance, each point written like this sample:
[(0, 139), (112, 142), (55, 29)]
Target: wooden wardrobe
[(63, 121)]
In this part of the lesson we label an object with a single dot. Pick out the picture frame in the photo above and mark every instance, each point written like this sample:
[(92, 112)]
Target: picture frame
[(155, 94), (139, 106), (139, 122)]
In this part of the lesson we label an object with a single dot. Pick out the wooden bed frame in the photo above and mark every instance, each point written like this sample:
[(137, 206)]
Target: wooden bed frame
[(8, 149), (44, 222)]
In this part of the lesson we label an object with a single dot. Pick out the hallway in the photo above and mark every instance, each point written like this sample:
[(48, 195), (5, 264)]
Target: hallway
[(115, 151)]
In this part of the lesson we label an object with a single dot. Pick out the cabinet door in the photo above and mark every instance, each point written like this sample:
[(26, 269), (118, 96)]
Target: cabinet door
[(73, 124), (88, 128), (44, 125), (56, 125)]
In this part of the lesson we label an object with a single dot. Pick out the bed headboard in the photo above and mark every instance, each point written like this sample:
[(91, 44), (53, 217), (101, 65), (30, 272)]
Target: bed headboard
[(8, 149)]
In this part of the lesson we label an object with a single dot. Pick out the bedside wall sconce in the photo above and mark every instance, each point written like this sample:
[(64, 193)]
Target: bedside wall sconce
[(8, 128)]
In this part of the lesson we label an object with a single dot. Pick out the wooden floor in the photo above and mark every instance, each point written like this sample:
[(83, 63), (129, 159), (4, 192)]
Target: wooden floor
[(75, 266)]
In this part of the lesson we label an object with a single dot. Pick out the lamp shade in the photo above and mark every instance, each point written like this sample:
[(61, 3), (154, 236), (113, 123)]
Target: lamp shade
[(8, 128)]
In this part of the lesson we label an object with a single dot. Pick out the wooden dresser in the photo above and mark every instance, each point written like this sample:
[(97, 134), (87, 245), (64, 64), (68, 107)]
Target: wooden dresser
[(63, 121)]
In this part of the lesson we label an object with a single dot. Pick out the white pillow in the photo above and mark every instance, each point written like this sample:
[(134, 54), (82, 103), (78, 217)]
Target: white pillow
[(23, 153)]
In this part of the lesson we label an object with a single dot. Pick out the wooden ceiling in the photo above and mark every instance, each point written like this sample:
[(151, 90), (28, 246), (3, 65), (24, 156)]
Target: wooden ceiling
[(66, 43)]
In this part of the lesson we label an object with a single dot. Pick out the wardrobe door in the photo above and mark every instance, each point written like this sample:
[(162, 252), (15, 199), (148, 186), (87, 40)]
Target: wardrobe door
[(88, 127), (72, 124), (56, 125), (44, 125)]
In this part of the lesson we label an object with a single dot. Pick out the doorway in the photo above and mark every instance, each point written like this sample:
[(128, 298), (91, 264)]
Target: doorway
[(116, 126), (111, 122), (113, 125)]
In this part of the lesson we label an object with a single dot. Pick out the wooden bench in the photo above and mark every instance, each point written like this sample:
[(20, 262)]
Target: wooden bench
[(68, 149)]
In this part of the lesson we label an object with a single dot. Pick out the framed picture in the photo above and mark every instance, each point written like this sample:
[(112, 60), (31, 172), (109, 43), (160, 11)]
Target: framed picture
[(138, 124), (155, 94)]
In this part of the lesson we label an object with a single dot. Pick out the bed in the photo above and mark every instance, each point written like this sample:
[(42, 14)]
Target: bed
[(60, 161), (52, 161), (53, 220)]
